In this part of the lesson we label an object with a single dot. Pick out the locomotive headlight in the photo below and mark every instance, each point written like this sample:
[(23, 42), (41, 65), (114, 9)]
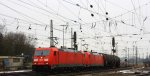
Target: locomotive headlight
[(46, 59), (35, 59)]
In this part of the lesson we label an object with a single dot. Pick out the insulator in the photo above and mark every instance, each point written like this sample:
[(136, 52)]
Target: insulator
[(107, 19), (106, 13), (92, 15), (91, 6), (113, 42)]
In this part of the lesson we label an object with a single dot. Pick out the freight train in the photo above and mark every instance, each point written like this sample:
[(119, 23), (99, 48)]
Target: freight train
[(53, 58)]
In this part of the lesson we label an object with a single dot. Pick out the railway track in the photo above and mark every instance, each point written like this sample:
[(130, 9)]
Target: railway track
[(93, 71), (64, 73)]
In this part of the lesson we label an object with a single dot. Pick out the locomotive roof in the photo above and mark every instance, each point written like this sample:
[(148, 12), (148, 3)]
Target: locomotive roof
[(44, 48), (68, 50)]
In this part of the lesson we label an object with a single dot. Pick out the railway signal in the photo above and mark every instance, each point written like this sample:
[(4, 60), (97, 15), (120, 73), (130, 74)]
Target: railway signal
[(113, 45)]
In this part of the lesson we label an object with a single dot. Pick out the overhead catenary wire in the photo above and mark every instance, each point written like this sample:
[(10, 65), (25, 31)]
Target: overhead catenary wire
[(83, 8), (48, 11), (98, 6), (20, 12), (44, 37), (136, 12), (26, 28), (84, 26), (35, 23), (35, 10), (28, 21), (71, 12), (130, 11), (90, 10)]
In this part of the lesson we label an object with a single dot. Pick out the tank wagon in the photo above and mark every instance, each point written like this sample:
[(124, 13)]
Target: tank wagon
[(54, 59)]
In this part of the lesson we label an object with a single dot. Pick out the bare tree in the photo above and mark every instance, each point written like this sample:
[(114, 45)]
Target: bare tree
[(2, 28), (15, 44), (1, 38)]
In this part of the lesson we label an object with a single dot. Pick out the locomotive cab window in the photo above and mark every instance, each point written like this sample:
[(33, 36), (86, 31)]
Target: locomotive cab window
[(42, 52)]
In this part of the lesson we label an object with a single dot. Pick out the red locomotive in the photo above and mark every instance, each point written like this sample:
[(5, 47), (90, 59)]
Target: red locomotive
[(54, 58)]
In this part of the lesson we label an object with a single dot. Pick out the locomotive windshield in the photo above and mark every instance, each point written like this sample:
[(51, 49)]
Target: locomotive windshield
[(41, 52)]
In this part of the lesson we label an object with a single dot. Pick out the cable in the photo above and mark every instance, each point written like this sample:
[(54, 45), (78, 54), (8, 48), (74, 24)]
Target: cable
[(83, 8), (136, 12), (19, 12), (86, 9), (67, 8), (23, 26), (99, 6), (47, 11), (130, 11), (82, 3), (14, 10), (20, 19), (42, 4), (34, 10), (29, 22)]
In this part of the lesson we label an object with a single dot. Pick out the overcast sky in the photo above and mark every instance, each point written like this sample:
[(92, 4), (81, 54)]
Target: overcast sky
[(95, 21)]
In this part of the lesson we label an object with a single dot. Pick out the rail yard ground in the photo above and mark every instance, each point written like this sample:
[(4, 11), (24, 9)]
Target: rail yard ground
[(98, 72)]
